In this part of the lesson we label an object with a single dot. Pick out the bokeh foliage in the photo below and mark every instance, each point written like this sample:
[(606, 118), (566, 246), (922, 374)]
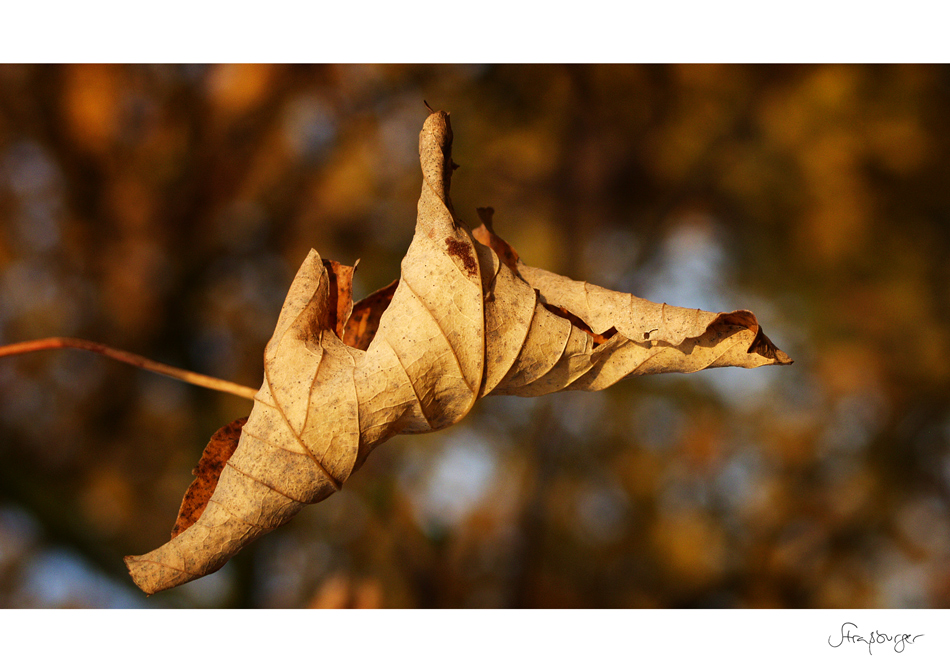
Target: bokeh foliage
[(165, 209)]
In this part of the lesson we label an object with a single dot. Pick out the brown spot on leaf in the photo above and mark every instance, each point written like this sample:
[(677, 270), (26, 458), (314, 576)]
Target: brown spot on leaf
[(464, 253), (216, 454)]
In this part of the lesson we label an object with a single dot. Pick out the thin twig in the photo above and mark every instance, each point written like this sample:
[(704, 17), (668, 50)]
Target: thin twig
[(129, 358)]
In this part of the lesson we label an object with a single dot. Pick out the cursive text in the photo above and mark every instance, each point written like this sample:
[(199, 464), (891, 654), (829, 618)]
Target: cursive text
[(900, 640)]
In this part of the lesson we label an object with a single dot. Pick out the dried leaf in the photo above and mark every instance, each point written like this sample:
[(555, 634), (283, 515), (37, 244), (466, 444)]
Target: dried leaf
[(341, 286), (466, 319), (364, 320), (216, 454)]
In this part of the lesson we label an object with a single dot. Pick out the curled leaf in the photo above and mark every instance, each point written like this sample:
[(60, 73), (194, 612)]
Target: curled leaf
[(216, 454), (466, 319)]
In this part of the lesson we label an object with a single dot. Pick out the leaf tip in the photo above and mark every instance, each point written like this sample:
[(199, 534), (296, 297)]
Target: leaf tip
[(763, 345), (144, 574)]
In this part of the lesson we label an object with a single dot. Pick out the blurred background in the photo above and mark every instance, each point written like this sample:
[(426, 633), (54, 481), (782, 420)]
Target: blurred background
[(165, 209)]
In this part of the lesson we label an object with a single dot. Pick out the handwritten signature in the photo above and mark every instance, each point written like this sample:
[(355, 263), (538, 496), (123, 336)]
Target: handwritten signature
[(900, 640)]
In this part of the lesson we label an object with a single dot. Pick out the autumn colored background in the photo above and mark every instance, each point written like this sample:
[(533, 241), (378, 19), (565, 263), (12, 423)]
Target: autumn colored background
[(165, 209)]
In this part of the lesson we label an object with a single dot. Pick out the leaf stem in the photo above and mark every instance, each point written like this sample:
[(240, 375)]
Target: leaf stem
[(201, 380)]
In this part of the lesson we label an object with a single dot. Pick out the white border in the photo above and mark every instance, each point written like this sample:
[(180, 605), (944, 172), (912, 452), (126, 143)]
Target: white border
[(488, 31), (471, 640)]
